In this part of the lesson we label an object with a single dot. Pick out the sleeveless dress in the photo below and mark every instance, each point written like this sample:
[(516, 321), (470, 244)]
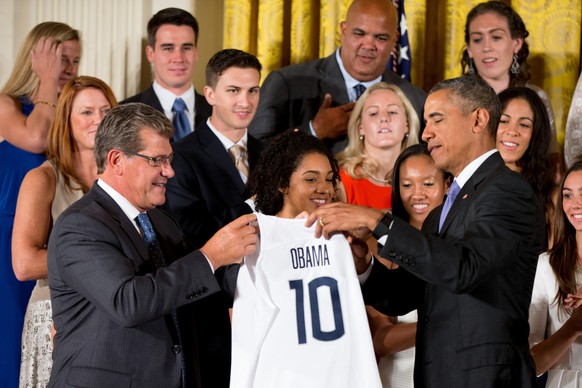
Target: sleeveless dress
[(365, 193), (14, 164), (37, 361)]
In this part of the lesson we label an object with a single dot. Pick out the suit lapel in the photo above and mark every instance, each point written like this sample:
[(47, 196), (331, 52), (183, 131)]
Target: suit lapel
[(115, 212), (150, 98), (465, 195), (332, 81), (216, 153)]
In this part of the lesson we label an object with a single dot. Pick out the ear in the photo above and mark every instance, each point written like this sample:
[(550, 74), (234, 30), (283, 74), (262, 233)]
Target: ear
[(150, 53), (469, 52), (517, 44), (209, 94), (116, 161), (343, 28), (361, 130), (480, 120)]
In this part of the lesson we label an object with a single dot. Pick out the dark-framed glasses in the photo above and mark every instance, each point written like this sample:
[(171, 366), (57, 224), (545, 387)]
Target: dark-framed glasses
[(154, 161)]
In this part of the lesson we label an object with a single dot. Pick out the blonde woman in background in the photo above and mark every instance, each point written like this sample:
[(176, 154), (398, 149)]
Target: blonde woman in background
[(47, 59), (381, 125)]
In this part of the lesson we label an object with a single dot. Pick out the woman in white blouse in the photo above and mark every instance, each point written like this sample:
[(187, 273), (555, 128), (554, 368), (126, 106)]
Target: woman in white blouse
[(555, 315)]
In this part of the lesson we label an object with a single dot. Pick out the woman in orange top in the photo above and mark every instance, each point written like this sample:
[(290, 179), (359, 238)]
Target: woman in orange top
[(382, 124)]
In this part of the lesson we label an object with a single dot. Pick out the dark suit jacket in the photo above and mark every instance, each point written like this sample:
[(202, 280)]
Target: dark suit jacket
[(111, 307), (291, 96), (205, 194), (479, 272), (202, 108)]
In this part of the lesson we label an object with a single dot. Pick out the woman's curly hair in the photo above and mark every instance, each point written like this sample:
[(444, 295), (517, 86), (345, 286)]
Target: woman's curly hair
[(282, 157)]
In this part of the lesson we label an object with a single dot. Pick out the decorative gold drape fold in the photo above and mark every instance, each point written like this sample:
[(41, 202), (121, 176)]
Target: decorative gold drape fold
[(283, 32), (554, 45)]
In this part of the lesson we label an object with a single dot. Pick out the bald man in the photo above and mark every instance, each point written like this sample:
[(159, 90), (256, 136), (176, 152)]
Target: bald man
[(318, 96)]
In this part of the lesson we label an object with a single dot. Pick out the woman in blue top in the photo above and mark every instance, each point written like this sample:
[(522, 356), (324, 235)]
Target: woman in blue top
[(48, 58)]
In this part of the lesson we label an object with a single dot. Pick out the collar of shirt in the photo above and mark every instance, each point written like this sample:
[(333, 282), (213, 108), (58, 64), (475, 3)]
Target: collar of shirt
[(351, 81), (128, 209), (226, 142), (470, 169), (167, 99)]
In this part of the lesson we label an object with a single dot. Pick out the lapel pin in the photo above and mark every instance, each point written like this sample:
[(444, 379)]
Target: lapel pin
[(465, 196)]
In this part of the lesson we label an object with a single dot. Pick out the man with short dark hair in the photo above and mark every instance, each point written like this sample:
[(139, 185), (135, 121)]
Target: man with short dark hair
[(172, 49), (121, 273), (470, 271), (212, 166)]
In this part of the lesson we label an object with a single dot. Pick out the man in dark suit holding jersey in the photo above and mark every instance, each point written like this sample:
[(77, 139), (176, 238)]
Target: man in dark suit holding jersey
[(470, 271), (121, 274)]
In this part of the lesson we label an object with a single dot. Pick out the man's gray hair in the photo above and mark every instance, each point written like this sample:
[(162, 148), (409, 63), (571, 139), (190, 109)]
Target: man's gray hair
[(121, 128)]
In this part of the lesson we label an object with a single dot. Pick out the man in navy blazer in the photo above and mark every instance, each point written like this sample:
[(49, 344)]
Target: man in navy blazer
[(173, 52), (118, 305), (471, 278), (209, 190), (318, 96)]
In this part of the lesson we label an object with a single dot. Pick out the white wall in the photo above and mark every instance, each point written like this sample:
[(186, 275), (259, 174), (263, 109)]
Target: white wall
[(113, 33)]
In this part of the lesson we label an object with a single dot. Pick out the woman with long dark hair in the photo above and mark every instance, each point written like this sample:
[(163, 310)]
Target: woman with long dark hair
[(555, 314), (523, 138)]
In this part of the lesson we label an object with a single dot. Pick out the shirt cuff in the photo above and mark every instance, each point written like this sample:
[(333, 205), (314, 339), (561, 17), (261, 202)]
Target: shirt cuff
[(311, 129), (383, 229), (251, 204), (366, 274), (209, 263)]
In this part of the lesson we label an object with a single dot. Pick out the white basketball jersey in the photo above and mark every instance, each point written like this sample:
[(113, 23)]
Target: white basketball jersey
[(299, 318)]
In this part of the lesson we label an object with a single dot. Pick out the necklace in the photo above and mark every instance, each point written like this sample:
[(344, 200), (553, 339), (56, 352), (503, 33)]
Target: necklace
[(385, 181)]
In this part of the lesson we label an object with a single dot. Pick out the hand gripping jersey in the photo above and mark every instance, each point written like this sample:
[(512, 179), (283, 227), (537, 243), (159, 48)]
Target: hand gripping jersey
[(299, 318)]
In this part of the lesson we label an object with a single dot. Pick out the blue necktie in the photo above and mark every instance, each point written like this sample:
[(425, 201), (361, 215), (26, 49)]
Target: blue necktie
[(453, 191), (156, 254), (149, 236), (181, 123), (360, 89)]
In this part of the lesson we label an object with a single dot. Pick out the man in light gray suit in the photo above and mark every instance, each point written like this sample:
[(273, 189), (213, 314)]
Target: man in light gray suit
[(318, 96), (119, 298)]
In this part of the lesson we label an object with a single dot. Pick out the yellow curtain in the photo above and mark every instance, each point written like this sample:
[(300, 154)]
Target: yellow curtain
[(554, 45), (416, 19), (283, 32)]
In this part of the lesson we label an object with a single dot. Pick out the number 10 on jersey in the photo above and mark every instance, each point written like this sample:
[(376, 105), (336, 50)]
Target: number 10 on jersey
[(313, 299)]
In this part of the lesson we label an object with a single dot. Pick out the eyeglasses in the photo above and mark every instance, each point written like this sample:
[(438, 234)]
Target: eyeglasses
[(156, 161)]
